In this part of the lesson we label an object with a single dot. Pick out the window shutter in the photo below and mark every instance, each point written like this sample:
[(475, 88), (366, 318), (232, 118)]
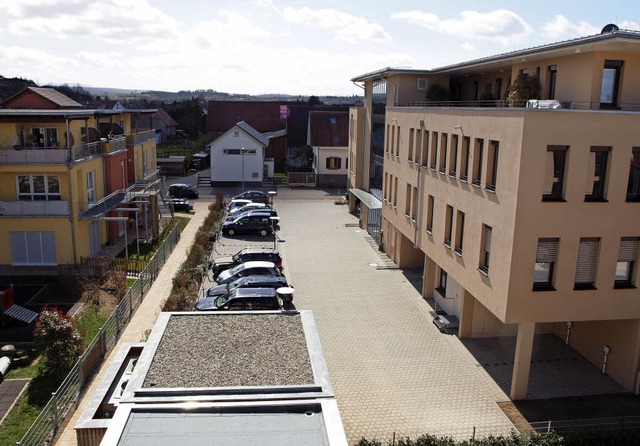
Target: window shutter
[(587, 256), (547, 251), (628, 249), (487, 238)]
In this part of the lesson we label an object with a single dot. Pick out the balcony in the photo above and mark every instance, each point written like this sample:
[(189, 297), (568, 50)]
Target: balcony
[(34, 209), (563, 105), (116, 144), (141, 137), (50, 156)]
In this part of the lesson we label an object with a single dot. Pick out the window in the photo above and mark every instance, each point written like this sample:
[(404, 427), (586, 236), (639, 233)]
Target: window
[(478, 153), (597, 176), (387, 133), (430, 204), (554, 173), (91, 187), (443, 152), (46, 137), (384, 188), (498, 89), (334, 163), (407, 201), (395, 192), (546, 257), (610, 83), (485, 250), (393, 139), (236, 133), (553, 73), (418, 134), (411, 140), (524, 71), (38, 187), (442, 283), (492, 167), (587, 264), (434, 150), (398, 142), (453, 159), (346, 163), (448, 227), (414, 204), (425, 148), (459, 232), (625, 266), (633, 186), (464, 159), (422, 84)]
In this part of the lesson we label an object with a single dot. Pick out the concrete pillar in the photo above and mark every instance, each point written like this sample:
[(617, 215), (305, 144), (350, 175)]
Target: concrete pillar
[(522, 360), (466, 315), (429, 283)]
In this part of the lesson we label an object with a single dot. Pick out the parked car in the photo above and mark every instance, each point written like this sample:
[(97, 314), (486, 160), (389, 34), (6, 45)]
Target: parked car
[(254, 195), (274, 282), (272, 212), (220, 264), (242, 299), (248, 207), (181, 205), (237, 203), (256, 223), (257, 268), (180, 190)]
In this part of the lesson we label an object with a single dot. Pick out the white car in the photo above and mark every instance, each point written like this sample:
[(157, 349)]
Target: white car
[(237, 203), (248, 207)]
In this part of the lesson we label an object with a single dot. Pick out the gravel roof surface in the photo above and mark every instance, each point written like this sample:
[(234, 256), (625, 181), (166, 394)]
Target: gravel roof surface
[(231, 350)]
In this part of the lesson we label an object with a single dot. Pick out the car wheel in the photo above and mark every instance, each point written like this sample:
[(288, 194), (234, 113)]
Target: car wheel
[(263, 232), (231, 232)]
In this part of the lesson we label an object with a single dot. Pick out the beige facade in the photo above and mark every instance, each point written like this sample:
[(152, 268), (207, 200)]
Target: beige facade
[(524, 220)]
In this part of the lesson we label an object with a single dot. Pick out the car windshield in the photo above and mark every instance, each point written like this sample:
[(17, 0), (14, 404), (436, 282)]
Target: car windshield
[(220, 301), (236, 257), (233, 285), (234, 270)]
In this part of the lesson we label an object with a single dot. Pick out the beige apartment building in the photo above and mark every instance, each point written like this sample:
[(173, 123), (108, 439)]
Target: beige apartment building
[(524, 214)]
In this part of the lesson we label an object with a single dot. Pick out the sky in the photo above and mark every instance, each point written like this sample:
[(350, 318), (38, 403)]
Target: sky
[(297, 47)]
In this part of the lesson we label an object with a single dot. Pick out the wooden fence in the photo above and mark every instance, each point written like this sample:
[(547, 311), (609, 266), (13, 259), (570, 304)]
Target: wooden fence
[(98, 266)]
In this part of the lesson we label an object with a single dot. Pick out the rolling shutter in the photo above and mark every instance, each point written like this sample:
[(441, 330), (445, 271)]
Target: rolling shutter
[(547, 251), (628, 249), (587, 261)]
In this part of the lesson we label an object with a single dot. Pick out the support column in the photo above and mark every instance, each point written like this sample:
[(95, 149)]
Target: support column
[(466, 316), (522, 360), (429, 283)]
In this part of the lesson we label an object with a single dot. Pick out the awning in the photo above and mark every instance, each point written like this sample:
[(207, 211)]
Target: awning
[(366, 198)]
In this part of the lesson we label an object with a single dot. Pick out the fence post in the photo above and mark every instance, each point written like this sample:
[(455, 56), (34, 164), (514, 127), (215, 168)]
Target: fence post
[(549, 427), (473, 435), (54, 407)]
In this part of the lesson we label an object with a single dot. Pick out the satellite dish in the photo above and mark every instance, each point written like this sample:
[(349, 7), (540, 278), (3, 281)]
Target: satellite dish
[(610, 28)]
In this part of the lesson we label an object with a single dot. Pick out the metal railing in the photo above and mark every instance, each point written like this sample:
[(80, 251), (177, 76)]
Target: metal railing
[(66, 398), (55, 208), (141, 137), (503, 103)]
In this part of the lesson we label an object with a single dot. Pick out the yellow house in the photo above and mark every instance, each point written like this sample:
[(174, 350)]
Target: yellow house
[(522, 210), (64, 172)]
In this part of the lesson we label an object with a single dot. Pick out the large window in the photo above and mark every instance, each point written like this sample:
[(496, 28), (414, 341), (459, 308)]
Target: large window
[(430, 205), (633, 186), (459, 233), (464, 159), (442, 283), (443, 152), (407, 201), (546, 257), (46, 137), (554, 173), (485, 250), (91, 187), (448, 228), (478, 153), (587, 264), (492, 167), (597, 174), (453, 159), (433, 155), (424, 158), (610, 83), (625, 266), (38, 187), (411, 144)]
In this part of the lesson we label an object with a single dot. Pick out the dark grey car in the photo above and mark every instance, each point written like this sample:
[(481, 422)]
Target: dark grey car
[(274, 282)]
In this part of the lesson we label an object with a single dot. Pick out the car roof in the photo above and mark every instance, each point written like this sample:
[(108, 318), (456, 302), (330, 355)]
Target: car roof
[(253, 292), (254, 250), (241, 200), (263, 279), (258, 264)]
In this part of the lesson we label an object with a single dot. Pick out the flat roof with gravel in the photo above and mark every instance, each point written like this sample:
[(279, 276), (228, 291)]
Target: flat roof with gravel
[(231, 350)]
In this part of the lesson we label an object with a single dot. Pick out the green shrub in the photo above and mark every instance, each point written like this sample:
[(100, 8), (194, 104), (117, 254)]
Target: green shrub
[(59, 341)]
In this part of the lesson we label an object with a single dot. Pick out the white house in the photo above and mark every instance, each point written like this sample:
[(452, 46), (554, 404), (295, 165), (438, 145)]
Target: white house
[(327, 134), (238, 157)]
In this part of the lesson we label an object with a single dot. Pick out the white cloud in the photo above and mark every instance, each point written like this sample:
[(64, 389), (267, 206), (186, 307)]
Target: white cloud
[(466, 46), (501, 25), (345, 27), (561, 27), (626, 24)]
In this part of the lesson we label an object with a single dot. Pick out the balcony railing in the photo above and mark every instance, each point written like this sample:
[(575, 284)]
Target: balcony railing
[(116, 144), (34, 208), (141, 137), (50, 156), (563, 105)]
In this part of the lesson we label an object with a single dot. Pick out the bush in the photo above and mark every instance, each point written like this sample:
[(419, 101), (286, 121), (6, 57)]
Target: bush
[(58, 339), (525, 87), (437, 93)]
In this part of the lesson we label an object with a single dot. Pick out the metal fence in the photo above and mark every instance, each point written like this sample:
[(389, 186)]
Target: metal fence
[(64, 400)]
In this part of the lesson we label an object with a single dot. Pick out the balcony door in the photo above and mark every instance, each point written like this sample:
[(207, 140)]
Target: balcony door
[(33, 248)]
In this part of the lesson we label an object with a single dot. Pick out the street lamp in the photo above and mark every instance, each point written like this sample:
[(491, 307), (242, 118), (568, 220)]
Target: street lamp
[(272, 194), (274, 224), (242, 158)]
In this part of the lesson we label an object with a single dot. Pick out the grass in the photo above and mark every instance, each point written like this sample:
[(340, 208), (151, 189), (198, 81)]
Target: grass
[(89, 323), (19, 420), (147, 250), (131, 281), (28, 370)]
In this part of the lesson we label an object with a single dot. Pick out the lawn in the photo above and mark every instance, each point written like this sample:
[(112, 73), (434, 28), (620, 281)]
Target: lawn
[(19, 420), (147, 250)]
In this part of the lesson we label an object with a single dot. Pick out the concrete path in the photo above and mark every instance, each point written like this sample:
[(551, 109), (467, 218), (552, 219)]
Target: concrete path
[(145, 316)]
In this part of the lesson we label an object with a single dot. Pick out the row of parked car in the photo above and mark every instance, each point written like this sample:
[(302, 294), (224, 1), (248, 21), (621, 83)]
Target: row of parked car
[(250, 213)]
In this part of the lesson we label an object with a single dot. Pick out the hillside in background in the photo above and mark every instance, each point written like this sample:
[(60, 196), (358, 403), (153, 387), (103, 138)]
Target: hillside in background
[(9, 86)]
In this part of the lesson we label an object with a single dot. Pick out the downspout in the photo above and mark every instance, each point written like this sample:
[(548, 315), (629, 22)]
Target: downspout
[(419, 198), (362, 157), (69, 191)]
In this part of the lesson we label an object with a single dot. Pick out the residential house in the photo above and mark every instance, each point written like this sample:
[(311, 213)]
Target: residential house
[(523, 215), (165, 126), (238, 157), (327, 136), (71, 178)]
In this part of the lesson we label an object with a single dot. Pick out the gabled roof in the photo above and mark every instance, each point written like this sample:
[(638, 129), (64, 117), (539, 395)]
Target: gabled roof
[(165, 118), (261, 138), (55, 97), (109, 104)]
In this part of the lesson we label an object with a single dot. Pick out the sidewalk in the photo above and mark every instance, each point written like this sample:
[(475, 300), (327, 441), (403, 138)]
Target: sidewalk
[(144, 318)]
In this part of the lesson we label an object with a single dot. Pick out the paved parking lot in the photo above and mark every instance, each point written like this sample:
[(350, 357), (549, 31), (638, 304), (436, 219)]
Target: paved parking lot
[(391, 369)]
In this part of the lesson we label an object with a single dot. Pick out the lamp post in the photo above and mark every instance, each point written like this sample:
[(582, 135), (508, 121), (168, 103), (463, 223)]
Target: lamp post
[(242, 159), (274, 224), (272, 194)]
